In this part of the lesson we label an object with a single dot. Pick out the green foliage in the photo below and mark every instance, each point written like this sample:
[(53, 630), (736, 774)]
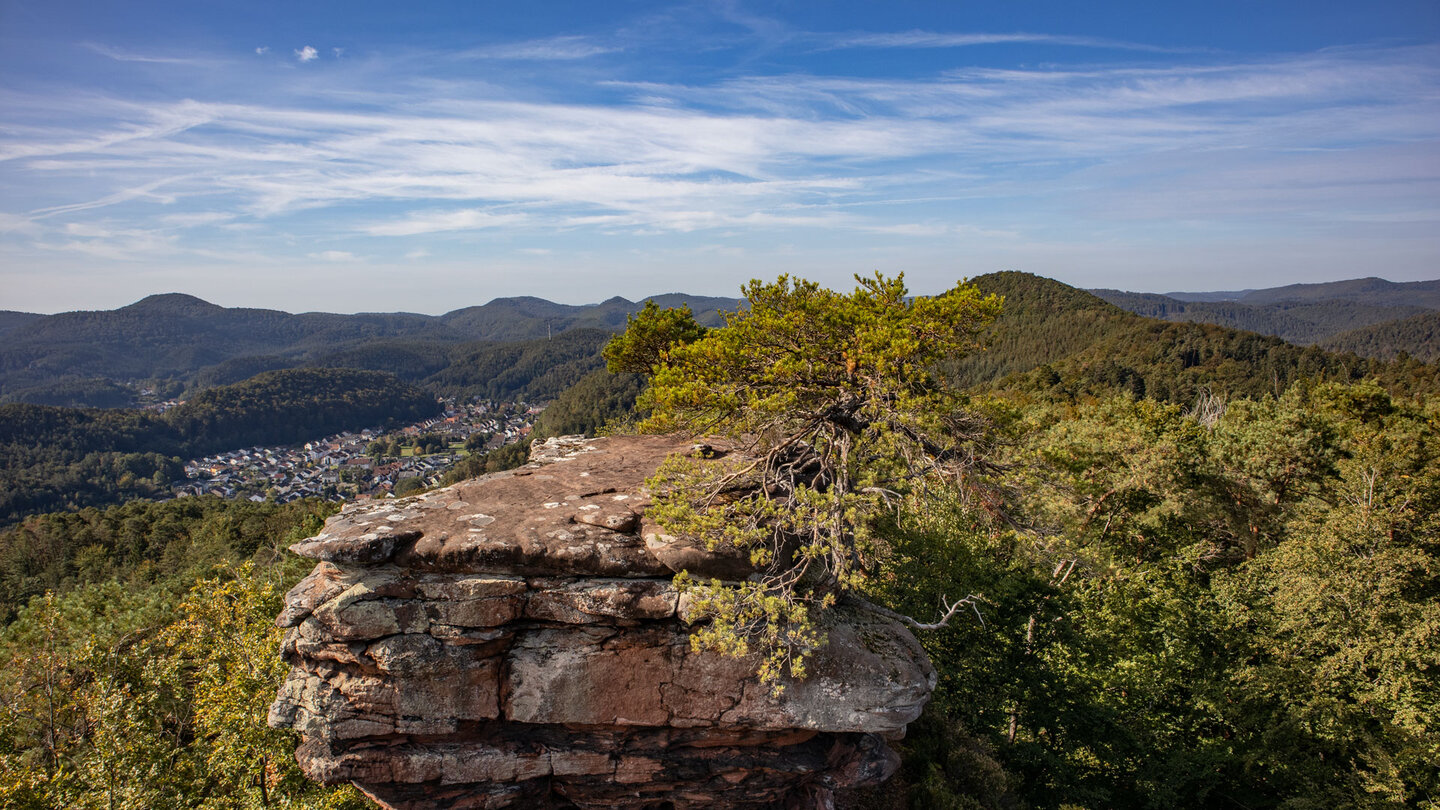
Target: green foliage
[(1232, 605), (648, 338), (1417, 337), (834, 394), (142, 542), (597, 400), (1044, 322), (293, 405), (145, 681), (531, 370), (409, 486), (112, 696), (76, 392), (507, 457)]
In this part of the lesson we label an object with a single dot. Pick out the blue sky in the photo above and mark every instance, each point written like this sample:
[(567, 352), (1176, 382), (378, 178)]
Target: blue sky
[(361, 156)]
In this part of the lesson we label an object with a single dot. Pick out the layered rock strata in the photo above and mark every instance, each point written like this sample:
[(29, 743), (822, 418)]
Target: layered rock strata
[(514, 641)]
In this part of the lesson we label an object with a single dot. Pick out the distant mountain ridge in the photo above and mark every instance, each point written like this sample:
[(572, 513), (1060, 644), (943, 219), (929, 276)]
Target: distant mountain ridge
[(1306, 314), (1368, 290), (528, 317), (75, 358), (533, 348)]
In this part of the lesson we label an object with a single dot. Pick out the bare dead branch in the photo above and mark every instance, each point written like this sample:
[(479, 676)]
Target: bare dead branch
[(972, 601)]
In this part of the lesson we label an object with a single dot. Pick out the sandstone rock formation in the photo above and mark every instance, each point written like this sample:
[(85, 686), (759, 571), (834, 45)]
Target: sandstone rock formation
[(513, 641)]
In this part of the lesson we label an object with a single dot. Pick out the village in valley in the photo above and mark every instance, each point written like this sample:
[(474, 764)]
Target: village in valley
[(370, 463)]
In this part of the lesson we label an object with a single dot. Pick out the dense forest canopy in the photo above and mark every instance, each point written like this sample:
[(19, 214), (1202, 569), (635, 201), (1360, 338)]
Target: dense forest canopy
[(1055, 336), (142, 680), (1417, 337), (1227, 605)]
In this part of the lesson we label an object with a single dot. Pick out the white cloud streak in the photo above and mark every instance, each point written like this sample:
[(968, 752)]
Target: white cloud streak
[(432, 222), (563, 48), (307, 54), (934, 39), (122, 55)]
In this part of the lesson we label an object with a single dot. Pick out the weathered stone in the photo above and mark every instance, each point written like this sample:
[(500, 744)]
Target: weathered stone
[(515, 641), (324, 583), (599, 600), (688, 554), (408, 654), (365, 549), (589, 676)]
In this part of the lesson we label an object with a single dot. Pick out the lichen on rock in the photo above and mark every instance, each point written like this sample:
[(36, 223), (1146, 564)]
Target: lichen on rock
[(514, 641)]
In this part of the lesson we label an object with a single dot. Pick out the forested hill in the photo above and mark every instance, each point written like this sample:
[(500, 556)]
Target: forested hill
[(1300, 313), (286, 407), (1067, 342), (1044, 321), (65, 458), (10, 320), (527, 370), (179, 342), (530, 318), (1417, 336)]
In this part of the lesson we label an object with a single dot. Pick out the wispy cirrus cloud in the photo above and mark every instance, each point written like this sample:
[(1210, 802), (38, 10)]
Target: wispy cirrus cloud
[(562, 48), (775, 135), (436, 221), (938, 39), (196, 219), (307, 54), (123, 55), (116, 243), (148, 190), (16, 224)]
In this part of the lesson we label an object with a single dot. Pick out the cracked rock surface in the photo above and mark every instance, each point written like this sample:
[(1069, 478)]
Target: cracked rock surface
[(513, 641)]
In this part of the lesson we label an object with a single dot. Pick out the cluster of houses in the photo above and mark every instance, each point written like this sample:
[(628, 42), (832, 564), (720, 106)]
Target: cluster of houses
[(341, 467)]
